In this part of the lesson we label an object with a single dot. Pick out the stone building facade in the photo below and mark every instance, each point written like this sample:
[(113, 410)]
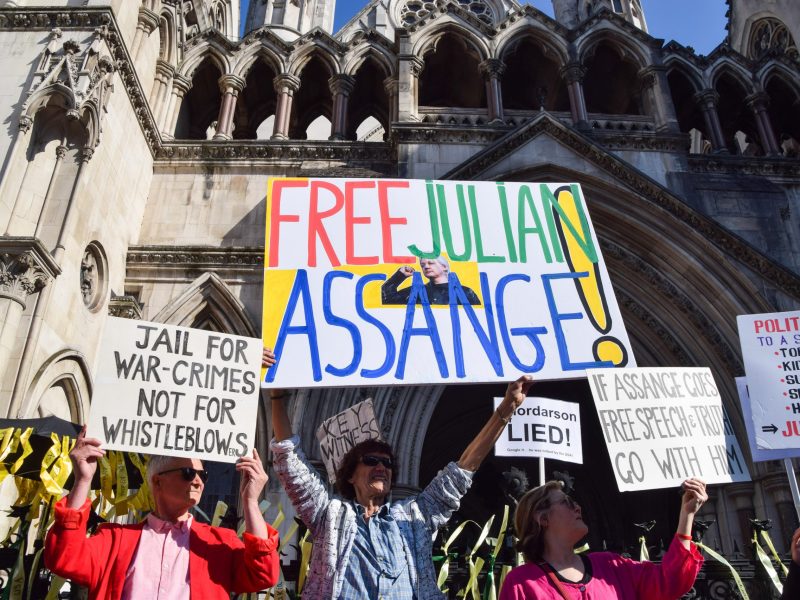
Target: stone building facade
[(140, 137)]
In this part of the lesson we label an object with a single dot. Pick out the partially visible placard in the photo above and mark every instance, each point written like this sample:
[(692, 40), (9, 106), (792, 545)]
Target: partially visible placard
[(542, 427), (176, 391), (771, 353), (664, 425), (758, 454), (341, 432)]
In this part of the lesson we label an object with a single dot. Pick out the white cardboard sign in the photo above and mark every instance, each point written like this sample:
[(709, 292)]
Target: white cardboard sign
[(771, 353), (176, 391), (341, 432), (542, 427), (664, 425), (758, 454)]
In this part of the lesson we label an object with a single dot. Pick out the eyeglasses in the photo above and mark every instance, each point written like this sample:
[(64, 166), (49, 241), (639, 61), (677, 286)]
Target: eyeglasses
[(188, 473), (568, 502), (370, 460)]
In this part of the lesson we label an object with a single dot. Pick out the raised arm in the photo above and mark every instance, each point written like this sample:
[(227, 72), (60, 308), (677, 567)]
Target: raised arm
[(281, 426), (477, 450), (306, 492), (84, 455), (694, 496)]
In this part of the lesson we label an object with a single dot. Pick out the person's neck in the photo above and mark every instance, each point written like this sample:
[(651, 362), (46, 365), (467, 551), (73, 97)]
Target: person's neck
[(560, 555), (171, 515), (371, 504)]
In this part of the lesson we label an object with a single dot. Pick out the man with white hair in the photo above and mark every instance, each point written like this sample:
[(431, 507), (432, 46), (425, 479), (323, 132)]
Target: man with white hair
[(437, 270), (167, 556)]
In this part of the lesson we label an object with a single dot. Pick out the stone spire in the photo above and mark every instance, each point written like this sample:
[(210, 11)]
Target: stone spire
[(571, 12)]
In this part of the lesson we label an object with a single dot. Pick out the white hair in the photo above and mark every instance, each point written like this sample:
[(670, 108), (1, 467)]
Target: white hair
[(441, 260), (156, 465)]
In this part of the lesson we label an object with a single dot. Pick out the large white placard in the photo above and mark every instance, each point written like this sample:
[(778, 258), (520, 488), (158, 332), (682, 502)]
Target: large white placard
[(758, 454), (341, 432), (664, 425), (771, 353), (542, 427), (162, 389), (415, 282)]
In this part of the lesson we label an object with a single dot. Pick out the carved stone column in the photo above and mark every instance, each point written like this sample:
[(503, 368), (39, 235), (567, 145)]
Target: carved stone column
[(741, 494), (14, 173), (707, 100), (147, 23), (341, 86), (573, 74), (230, 86), (286, 87), (180, 85), (655, 89), (392, 85), (492, 70), (408, 72), (758, 104), (25, 268), (160, 96)]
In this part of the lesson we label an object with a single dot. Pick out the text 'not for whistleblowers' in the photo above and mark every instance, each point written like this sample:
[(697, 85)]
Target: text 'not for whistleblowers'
[(176, 391)]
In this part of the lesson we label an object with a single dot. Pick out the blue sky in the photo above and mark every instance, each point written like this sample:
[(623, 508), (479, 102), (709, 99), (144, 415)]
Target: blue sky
[(696, 23)]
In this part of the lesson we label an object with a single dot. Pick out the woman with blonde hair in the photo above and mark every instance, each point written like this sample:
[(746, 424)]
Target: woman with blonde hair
[(549, 524)]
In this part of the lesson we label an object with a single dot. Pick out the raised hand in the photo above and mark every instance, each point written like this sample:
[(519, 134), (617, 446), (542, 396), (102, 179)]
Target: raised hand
[(694, 496), (253, 477), (406, 270), (267, 358), (516, 392), (84, 455)]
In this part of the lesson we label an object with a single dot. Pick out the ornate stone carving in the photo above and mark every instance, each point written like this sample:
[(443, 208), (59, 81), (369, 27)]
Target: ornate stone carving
[(25, 268), (126, 307), (88, 277)]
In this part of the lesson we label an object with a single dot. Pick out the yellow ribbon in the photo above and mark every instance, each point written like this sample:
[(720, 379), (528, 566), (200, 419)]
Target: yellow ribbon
[(121, 491), (767, 564), (279, 519), (219, 512), (489, 590), (444, 571), (55, 586), (305, 558), (771, 547), (475, 567), (106, 477), (49, 460), (644, 554), (18, 577), (24, 439), (5, 448), (719, 558)]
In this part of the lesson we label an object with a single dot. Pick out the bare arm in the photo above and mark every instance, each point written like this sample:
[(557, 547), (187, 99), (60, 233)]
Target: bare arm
[(694, 496), (84, 455), (477, 450), (281, 426), (253, 480)]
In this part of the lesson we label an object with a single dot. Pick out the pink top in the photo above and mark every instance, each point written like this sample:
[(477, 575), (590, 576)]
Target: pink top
[(160, 568), (613, 578)]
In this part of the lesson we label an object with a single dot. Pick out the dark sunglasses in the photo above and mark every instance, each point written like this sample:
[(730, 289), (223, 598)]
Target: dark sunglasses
[(188, 473), (372, 461)]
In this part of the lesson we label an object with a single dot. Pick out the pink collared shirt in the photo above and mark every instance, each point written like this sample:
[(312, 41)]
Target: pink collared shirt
[(160, 568)]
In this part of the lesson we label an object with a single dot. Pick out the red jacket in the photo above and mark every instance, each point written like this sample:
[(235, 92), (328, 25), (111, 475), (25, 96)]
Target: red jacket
[(219, 562)]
